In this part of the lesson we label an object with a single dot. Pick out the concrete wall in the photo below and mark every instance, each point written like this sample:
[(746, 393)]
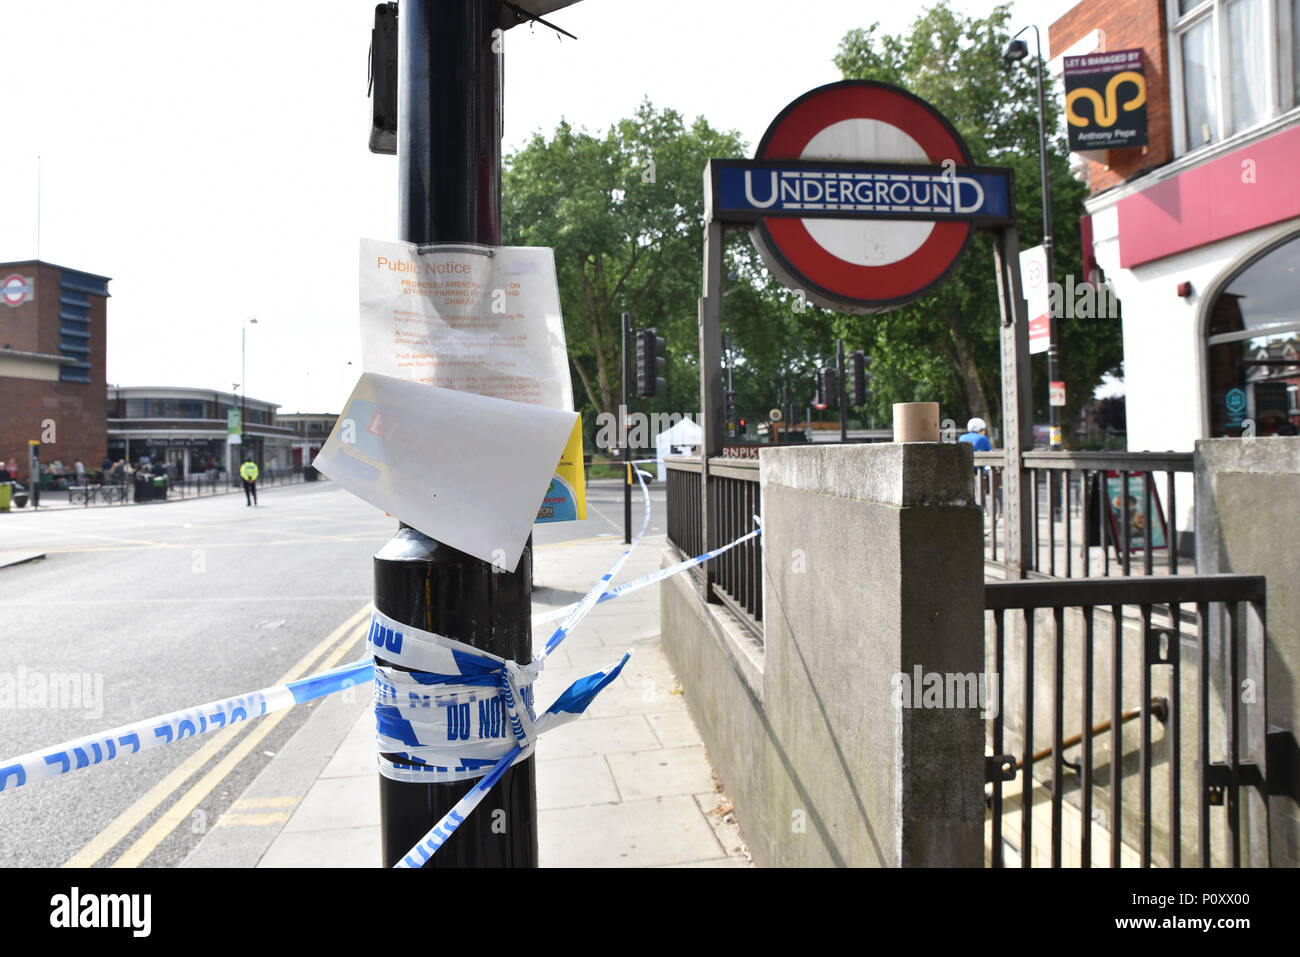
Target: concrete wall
[(872, 569), (1248, 513)]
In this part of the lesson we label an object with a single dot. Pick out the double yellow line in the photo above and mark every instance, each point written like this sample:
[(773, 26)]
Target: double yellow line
[(332, 648)]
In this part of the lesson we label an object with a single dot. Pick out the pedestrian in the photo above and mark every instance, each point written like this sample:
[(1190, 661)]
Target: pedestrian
[(12, 469), (248, 473), (80, 470), (977, 436)]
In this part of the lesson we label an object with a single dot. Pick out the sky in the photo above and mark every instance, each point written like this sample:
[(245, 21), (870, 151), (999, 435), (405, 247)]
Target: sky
[(212, 160)]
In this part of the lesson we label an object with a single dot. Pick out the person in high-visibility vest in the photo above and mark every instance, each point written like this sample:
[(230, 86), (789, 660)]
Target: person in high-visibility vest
[(248, 472)]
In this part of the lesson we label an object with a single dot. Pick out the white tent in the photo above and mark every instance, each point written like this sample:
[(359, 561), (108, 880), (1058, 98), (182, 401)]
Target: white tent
[(680, 440)]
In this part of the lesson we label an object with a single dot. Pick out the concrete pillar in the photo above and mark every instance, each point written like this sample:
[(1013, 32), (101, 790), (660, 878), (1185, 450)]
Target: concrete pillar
[(1248, 522), (873, 573)]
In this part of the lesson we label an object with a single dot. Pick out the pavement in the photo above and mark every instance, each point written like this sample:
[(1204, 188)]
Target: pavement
[(629, 784)]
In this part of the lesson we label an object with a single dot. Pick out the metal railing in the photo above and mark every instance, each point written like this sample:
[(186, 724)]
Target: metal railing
[(685, 532), (1091, 511), (1170, 654), (736, 577)]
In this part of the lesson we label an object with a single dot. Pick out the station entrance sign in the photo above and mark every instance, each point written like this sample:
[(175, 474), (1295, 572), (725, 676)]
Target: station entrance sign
[(861, 195)]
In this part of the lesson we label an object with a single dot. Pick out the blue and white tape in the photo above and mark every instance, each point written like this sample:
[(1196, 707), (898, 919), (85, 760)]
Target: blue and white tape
[(164, 729), (568, 706), (459, 713), (450, 712), (651, 578)]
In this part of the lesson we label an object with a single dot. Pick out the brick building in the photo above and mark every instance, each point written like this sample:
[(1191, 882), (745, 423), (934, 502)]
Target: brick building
[(53, 339), (1198, 231)]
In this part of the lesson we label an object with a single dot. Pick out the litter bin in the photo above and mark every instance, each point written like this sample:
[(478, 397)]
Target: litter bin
[(143, 489), (5, 492), (160, 487)]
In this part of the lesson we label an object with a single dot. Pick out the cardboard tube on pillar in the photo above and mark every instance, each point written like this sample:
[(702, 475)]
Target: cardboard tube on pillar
[(916, 421)]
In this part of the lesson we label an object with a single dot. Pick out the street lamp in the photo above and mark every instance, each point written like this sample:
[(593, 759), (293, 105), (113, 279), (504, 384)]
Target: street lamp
[(1016, 51), (243, 393)]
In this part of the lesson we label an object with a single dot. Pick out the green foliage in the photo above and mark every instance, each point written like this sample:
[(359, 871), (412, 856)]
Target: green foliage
[(624, 214), (945, 347)]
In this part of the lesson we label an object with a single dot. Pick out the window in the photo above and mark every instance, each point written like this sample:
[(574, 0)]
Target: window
[(1253, 347), (1234, 66)]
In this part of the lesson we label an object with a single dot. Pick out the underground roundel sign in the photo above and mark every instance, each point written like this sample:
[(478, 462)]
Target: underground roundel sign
[(860, 195), (16, 290)]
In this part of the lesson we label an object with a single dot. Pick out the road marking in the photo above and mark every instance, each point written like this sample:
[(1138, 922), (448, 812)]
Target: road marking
[(72, 549), (125, 823), (237, 819), (173, 601), (244, 804), (176, 815)]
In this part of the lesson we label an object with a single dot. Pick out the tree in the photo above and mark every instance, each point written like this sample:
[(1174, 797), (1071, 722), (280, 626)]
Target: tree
[(945, 347), (624, 214)]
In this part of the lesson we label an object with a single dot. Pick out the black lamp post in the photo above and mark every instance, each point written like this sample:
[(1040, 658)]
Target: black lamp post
[(243, 388), (1016, 51)]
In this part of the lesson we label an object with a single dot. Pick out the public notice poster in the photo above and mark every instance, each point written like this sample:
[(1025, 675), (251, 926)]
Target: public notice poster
[(479, 319)]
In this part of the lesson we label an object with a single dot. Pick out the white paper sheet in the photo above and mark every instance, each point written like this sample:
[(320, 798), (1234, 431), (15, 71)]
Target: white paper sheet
[(483, 319), (465, 469)]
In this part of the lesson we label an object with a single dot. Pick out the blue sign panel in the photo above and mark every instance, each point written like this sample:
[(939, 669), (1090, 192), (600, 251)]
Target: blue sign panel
[(746, 190)]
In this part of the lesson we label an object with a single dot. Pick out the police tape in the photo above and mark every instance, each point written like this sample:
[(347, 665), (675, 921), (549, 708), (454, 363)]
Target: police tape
[(154, 732), (430, 701), (486, 750), (652, 578)]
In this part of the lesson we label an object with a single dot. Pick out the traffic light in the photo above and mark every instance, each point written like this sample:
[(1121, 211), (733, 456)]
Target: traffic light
[(861, 363), (826, 386), (649, 363), (383, 80), (729, 409)]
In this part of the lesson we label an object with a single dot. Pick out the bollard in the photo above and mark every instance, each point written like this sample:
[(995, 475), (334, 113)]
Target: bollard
[(449, 183)]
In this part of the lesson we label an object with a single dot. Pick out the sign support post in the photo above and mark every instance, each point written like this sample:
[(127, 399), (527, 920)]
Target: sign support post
[(916, 217), (449, 190), (840, 394), (1017, 404), (711, 440), (628, 373)]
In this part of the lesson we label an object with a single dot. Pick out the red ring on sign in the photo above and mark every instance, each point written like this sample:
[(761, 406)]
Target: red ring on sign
[(788, 136)]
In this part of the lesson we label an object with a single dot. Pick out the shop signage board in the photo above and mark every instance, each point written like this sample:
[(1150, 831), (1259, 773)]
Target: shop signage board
[(1105, 101)]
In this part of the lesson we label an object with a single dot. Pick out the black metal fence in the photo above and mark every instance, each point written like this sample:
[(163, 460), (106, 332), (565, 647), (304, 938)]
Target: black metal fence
[(685, 517), (735, 578), (1091, 511), (738, 573), (143, 489), (1174, 659)]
